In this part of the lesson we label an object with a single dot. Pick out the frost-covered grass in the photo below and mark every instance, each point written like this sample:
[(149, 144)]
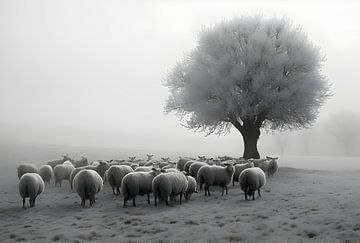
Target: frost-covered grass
[(296, 205)]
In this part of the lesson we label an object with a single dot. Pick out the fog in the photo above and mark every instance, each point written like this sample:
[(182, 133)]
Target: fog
[(89, 73)]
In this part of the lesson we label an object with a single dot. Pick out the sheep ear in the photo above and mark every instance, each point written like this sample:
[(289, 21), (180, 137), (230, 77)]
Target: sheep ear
[(196, 191), (154, 169), (267, 157), (162, 170)]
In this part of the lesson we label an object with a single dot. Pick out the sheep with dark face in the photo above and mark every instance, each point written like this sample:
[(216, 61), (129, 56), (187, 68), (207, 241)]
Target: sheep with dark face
[(138, 183), (215, 176), (87, 183), (26, 168), (31, 185), (251, 180)]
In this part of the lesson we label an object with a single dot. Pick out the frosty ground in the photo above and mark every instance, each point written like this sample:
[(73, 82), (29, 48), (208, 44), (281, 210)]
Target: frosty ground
[(296, 205)]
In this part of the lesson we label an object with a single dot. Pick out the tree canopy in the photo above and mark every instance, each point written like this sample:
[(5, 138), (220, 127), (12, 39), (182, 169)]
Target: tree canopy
[(249, 72)]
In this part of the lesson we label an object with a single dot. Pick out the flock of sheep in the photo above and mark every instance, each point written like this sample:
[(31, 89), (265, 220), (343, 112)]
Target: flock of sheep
[(165, 179)]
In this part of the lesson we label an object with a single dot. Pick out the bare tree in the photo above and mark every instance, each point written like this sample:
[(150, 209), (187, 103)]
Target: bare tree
[(343, 126), (250, 73)]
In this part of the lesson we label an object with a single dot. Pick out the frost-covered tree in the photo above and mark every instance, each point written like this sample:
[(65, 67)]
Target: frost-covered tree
[(251, 73)]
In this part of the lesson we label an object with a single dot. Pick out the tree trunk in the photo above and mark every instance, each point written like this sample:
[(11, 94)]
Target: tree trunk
[(250, 131), (250, 138)]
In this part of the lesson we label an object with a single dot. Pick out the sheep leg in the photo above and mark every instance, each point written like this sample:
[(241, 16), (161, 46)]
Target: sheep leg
[(24, 202), (233, 181), (30, 202), (118, 191), (148, 198), (246, 196), (167, 201), (259, 192), (113, 190), (34, 201), (226, 190), (253, 194), (222, 191), (125, 201), (134, 201), (83, 202), (155, 198), (180, 197)]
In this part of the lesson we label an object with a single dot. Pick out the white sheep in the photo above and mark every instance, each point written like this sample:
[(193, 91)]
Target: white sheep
[(215, 176), (269, 166), (138, 183), (26, 168), (191, 187), (87, 183), (46, 172), (31, 185), (115, 174), (63, 172), (100, 169), (169, 185), (239, 168), (250, 180)]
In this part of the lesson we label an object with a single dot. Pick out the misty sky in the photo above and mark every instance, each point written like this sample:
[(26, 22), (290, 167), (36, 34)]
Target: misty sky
[(97, 66)]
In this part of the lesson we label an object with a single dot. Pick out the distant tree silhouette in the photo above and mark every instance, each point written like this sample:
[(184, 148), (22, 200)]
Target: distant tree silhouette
[(343, 126), (250, 73)]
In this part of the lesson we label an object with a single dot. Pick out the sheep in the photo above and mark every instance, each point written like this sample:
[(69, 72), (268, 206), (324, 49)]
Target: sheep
[(138, 183), (100, 169), (31, 185), (250, 180), (115, 174), (58, 162), (169, 185), (238, 169), (63, 172), (87, 183), (195, 167), (270, 166), (26, 168), (46, 172), (191, 187), (215, 175), (181, 163), (188, 164)]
